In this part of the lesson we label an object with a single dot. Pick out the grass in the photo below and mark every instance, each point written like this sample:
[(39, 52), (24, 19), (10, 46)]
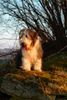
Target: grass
[(7, 67), (58, 62)]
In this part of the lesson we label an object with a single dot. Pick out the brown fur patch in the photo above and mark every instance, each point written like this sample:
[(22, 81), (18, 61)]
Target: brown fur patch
[(21, 33), (40, 52), (33, 36)]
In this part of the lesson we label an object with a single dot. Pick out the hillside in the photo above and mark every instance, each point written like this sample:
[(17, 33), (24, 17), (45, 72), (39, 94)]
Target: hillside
[(51, 84)]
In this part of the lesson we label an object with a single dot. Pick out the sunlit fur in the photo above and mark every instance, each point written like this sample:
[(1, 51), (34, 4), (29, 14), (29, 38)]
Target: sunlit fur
[(32, 51)]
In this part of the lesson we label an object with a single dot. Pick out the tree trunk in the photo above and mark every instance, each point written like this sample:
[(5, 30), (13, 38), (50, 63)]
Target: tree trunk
[(60, 37)]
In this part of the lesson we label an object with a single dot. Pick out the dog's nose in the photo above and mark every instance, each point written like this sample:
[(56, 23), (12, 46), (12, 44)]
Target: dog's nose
[(22, 45)]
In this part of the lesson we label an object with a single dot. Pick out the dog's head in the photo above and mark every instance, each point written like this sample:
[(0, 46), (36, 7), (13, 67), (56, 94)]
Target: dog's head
[(28, 38)]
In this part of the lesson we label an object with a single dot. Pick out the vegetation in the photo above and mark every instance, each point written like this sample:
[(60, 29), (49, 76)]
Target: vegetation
[(57, 62)]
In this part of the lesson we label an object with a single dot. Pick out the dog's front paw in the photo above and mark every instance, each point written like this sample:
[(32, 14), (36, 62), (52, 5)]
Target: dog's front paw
[(25, 68)]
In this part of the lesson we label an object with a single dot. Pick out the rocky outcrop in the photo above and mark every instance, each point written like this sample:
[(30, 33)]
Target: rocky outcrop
[(22, 84), (30, 85)]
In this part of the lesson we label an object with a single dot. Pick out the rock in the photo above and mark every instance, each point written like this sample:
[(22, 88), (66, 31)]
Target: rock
[(22, 86), (40, 85), (6, 68)]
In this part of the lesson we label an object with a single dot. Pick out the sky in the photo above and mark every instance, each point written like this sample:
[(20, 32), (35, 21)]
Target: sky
[(9, 30)]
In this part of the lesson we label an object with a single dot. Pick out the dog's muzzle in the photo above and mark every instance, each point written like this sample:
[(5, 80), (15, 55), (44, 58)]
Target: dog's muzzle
[(23, 45)]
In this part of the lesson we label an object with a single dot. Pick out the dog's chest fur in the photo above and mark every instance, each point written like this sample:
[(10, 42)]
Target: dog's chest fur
[(32, 53)]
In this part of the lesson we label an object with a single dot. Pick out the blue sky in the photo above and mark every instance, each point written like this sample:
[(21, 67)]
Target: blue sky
[(9, 29)]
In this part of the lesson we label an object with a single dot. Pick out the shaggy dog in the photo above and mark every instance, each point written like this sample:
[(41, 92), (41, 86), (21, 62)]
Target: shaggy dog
[(31, 50)]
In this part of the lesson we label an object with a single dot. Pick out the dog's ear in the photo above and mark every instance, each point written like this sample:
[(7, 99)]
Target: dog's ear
[(21, 33), (33, 34)]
